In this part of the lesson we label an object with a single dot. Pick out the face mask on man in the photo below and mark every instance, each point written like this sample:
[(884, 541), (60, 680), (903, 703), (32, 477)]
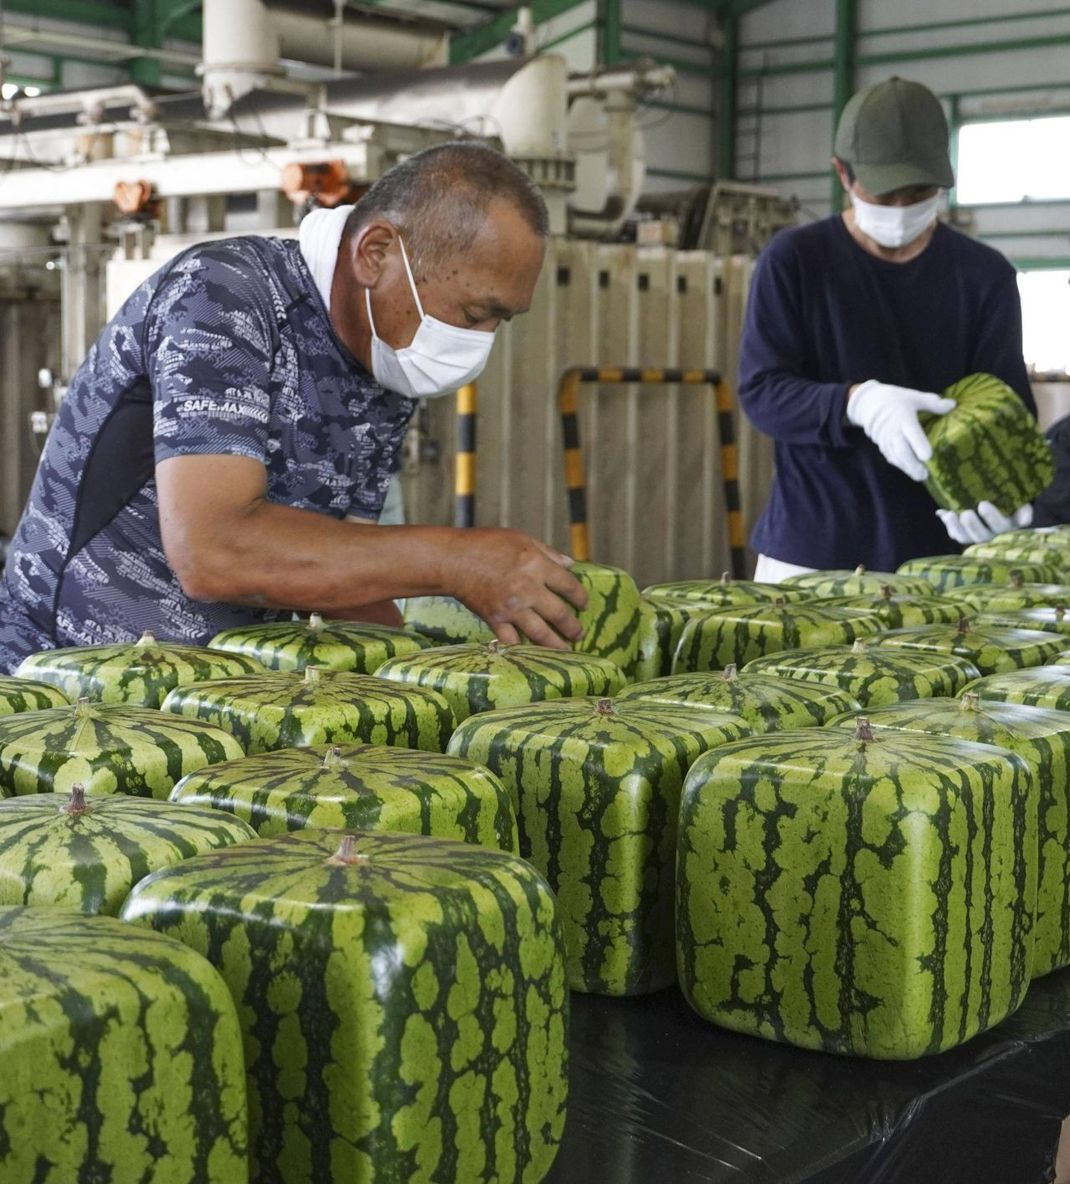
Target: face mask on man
[(440, 359), (895, 226)]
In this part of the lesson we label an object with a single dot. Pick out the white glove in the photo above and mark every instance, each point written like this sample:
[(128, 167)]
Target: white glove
[(984, 523), (889, 417)]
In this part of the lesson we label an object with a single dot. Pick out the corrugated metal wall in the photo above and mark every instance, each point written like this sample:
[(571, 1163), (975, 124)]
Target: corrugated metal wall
[(29, 333), (653, 464)]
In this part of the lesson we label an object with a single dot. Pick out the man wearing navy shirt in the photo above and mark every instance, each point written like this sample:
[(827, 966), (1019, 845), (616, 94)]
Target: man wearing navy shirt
[(853, 325), (225, 448)]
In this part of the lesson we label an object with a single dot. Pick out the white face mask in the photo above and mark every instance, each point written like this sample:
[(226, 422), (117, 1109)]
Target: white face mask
[(440, 359), (895, 226)]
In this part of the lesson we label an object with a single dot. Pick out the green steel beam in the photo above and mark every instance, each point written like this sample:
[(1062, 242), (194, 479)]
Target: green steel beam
[(1042, 263), (843, 78), (83, 12), (914, 55), (610, 48), (147, 33), (954, 123), (474, 42), (726, 151), (556, 41)]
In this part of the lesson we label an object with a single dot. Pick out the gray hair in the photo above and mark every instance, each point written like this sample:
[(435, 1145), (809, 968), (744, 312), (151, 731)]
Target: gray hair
[(439, 199)]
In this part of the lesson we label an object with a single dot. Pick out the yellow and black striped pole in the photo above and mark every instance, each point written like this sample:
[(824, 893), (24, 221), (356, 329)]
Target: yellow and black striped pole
[(575, 469), (464, 477)]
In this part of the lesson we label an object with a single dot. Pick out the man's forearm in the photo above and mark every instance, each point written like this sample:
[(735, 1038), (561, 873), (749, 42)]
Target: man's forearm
[(279, 557)]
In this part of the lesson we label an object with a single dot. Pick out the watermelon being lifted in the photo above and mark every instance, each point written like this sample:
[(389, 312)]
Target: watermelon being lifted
[(988, 448)]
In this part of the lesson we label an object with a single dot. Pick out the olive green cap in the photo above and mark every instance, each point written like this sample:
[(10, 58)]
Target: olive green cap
[(893, 135)]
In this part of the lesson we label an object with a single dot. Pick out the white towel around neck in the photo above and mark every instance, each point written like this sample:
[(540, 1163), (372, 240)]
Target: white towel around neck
[(319, 236)]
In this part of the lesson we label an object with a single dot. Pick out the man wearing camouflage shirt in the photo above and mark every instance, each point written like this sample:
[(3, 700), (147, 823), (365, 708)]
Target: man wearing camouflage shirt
[(226, 443)]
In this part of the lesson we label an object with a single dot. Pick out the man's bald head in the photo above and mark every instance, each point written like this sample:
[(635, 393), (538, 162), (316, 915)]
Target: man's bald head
[(440, 198)]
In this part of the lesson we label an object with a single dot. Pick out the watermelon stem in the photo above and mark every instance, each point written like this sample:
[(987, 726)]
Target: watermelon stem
[(859, 646), (971, 701), (315, 623), (964, 626), (604, 707), (494, 647), (886, 591), (77, 803), (731, 672), (334, 758), (1017, 579), (863, 731), (147, 639), (726, 577), (860, 570), (312, 676), (347, 854)]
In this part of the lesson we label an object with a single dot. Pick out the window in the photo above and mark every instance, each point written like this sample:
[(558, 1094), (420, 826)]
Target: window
[(1046, 319), (1014, 160)]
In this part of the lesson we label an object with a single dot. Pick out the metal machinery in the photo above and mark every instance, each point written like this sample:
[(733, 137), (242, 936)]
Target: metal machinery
[(98, 188)]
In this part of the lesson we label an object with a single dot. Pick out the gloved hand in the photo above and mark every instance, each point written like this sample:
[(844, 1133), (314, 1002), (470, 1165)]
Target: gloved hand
[(984, 523), (889, 417)]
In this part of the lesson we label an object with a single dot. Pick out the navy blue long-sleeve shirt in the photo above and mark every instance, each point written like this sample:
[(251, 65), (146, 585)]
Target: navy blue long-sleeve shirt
[(824, 314)]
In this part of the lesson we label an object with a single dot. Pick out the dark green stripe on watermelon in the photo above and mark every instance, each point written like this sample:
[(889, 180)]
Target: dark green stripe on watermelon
[(140, 674), (24, 694), (598, 787), (122, 1057), (359, 787), (854, 895), (765, 704), (1042, 739), (403, 1000), (475, 678), (107, 748), (871, 675), (286, 710), (331, 645), (86, 853)]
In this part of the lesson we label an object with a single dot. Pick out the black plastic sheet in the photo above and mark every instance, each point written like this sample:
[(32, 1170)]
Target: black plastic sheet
[(659, 1096)]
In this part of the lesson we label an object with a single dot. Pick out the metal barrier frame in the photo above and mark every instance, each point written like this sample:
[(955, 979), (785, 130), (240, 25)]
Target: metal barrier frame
[(464, 466), (576, 471)]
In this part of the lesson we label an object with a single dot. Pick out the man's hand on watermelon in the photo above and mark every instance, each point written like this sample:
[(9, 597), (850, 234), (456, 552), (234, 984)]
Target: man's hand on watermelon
[(889, 417), (984, 523)]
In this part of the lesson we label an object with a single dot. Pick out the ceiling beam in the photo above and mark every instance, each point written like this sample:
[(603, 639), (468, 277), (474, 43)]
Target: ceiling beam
[(474, 42)]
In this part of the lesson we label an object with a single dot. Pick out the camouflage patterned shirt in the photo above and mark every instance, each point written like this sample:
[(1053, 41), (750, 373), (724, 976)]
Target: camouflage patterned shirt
[(228, 350)]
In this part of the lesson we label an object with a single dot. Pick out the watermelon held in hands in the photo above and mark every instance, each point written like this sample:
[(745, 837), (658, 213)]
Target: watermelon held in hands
[(598, 784), (354, 646), (73, 852), (122, 1057), (107, 748), (987, 449), (403, 1002), (872, 675), (290, 709), (359, 787), (1042, 739), (140, 674), (765, 704), (858, 895), (475, 678), (610, 619)]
